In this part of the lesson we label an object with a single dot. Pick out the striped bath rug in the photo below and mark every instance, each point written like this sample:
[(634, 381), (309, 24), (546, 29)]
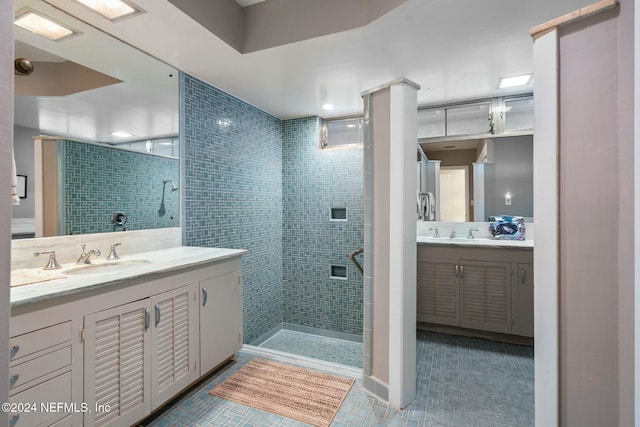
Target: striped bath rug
[(311, 397)]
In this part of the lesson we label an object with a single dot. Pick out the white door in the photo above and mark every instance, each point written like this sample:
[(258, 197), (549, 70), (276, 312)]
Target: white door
[(220, 318), (454, 193), (174, 333), (116, 365)]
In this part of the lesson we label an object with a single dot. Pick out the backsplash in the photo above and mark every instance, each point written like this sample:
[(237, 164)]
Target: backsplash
[(316, 182), (68, 248), (99, 181), (233, 192)]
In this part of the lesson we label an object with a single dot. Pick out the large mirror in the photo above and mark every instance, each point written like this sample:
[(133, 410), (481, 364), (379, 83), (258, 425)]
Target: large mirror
[(110, 114), (472, 179)]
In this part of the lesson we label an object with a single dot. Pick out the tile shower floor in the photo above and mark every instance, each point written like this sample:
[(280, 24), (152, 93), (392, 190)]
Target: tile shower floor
[(461, 382), (316, 347)]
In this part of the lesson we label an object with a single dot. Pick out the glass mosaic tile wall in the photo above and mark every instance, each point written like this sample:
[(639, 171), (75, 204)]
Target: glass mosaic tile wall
[(98, 181), (314, 182), (233, 192)]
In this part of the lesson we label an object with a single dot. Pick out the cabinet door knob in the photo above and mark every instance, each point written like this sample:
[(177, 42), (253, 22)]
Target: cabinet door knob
[(14, 350), (205, 296), (157, 307), (522, 275), (13, 380)]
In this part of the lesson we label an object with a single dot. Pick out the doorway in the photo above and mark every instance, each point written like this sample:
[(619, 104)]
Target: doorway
[(454, 193)]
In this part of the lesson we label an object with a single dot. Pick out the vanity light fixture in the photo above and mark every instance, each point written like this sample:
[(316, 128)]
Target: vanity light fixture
[(327, 106), (112, 9), (121, 134), (42, 25), (514, 81)]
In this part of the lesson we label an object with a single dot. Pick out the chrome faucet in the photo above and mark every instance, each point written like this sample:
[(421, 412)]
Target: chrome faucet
[(85, 256), (112, 252), (453, 233), (471, 230), (435, 233), (52, 264)]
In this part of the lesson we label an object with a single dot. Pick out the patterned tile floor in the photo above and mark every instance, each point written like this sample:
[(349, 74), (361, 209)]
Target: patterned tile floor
[(317, 347), (461, 382)]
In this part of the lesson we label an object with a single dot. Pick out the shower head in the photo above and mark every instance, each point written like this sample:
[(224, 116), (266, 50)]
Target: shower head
[(173, 186)]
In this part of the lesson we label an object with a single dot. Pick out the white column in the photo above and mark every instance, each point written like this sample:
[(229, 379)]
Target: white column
[(6, 145), (636, 220), (545, 257), (390, 231)]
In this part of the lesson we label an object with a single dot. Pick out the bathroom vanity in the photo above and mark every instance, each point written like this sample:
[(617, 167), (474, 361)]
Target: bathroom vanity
[(109, 342), (478, 284)]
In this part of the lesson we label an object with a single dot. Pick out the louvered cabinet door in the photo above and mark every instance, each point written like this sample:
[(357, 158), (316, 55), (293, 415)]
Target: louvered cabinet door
[(116, 365), (220, 318), (437, 292), (485, 296), (173, 343)]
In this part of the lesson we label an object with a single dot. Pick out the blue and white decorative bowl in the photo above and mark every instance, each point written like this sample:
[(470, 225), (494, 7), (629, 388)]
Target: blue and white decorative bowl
[(507, 227)]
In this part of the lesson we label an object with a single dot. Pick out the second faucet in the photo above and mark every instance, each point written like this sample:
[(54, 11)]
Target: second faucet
[(85, 257)]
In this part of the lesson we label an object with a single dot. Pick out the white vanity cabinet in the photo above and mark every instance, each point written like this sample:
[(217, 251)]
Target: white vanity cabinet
[(117, 372), (139, 355), (40, 371), (174, 343), (220, 318), (126, 348), (476, 288)]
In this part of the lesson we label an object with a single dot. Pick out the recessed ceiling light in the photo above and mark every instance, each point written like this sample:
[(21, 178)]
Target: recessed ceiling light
[(121, 134), (327, 106), (111, 9), (37, 23), (513, 81)]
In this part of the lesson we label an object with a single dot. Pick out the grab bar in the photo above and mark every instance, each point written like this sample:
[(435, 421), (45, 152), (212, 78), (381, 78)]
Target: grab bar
[(352, 256)]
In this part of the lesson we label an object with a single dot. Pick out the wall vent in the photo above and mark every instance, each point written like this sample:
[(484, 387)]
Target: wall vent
[(338, 214), (339, 272)]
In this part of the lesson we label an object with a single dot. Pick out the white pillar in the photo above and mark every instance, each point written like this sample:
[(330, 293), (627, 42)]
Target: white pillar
[(390, 151), (6, 145), (545, 257)]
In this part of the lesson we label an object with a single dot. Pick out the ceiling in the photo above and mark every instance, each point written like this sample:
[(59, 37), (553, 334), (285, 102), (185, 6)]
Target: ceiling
[(454, 49)]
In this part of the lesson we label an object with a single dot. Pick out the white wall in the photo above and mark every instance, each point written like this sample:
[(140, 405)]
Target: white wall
[(23, 151), (596, 193), (6, 143)]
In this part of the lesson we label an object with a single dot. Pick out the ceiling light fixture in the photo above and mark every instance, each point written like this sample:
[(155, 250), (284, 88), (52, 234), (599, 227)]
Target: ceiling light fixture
[(327, 106), (513, 81), (111, 9), (121, 134), (42, 25)]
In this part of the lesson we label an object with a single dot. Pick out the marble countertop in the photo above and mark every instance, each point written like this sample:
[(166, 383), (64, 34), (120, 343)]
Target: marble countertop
[(33, 285), (477, 242)]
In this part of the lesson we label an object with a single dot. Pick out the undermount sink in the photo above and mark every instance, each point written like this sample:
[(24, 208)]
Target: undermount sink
[(105, 266)]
